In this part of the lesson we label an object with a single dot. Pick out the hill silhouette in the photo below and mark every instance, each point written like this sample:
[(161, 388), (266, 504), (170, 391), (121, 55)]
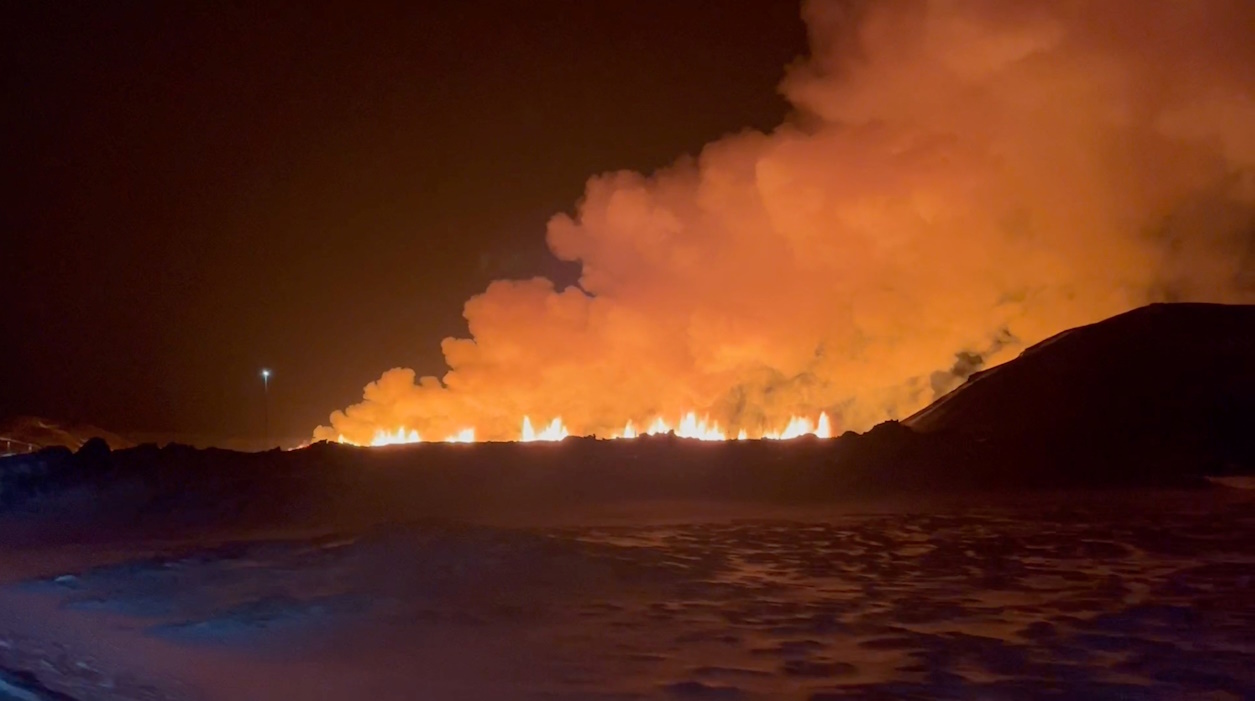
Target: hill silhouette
[(1164, 389), (38, 432)]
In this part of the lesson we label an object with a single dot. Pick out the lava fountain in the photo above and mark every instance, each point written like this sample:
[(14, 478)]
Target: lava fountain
[(688, 426)]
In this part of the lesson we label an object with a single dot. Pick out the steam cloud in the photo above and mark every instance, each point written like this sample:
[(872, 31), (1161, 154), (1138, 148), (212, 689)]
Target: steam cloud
[(961, 178)]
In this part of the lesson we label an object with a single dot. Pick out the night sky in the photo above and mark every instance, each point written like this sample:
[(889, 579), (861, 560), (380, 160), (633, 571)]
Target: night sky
[(197, 190)]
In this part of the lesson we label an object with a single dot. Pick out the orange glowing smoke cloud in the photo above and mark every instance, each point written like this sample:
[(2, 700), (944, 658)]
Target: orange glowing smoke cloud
[(961, 178)]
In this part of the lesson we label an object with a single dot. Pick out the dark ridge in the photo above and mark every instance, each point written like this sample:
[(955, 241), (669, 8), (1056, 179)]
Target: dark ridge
[(1170, 384), (19, 434)]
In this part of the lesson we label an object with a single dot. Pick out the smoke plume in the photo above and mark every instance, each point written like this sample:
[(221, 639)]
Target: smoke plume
[(960, 178)]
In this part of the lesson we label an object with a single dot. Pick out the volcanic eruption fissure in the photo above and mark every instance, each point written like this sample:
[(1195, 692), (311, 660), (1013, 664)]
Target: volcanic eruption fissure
[(962, 178)]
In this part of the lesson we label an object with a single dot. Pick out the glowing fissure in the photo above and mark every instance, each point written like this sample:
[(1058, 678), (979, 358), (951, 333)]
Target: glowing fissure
[(466, 435), (555, 431), (689, 426), (398, 436)]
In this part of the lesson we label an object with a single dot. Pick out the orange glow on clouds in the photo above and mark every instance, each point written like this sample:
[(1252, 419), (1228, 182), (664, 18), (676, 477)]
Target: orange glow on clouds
[(965, 178)]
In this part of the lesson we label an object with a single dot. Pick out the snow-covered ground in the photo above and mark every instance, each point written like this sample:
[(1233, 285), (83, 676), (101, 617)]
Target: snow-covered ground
[(1059, 597)]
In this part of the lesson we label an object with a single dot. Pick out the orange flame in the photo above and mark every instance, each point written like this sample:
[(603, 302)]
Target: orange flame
[(555, 431), (689, 426), (383, 437)]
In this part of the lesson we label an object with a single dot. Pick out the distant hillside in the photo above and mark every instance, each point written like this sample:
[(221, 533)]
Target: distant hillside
[(1164, 383), (27, 432)]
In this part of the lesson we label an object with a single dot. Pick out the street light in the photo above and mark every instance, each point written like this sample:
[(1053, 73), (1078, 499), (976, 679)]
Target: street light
[(265, 389)]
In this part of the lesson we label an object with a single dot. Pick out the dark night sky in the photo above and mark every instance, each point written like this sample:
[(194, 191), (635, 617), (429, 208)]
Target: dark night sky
[(195, 190)]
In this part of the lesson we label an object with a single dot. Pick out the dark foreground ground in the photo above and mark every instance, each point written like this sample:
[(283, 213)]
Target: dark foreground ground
[(1067, 595)]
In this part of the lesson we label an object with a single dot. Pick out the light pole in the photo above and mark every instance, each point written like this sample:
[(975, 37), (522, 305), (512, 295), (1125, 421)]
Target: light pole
[(265, 391)]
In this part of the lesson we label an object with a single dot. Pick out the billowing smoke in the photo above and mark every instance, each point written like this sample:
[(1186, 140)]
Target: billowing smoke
[(961, 178)]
